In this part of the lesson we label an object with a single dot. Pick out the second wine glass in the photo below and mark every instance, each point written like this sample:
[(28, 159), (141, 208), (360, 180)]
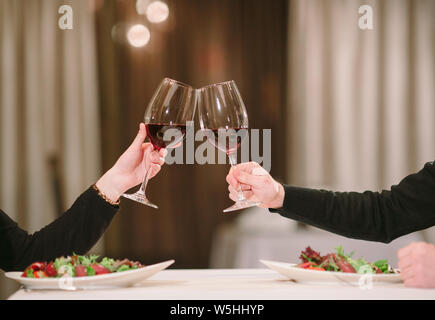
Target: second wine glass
[(223, 117), (170, 109)]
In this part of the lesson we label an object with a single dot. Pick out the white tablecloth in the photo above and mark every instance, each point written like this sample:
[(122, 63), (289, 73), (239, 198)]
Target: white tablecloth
[(229, 284)]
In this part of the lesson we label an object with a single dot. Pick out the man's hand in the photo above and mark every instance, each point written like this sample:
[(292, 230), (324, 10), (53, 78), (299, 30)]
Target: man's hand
[(257, 185), (416, 264), (130, 168)]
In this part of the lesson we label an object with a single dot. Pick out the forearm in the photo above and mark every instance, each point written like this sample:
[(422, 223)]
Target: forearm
[(407, 207), (77, 230), (354, 215)]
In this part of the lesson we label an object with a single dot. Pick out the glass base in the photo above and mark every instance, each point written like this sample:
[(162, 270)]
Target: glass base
[(141, 198), (242, 205)]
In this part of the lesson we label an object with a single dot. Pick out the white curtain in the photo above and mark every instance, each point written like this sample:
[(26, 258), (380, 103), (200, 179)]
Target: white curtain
[(362, 102), (48, 110)]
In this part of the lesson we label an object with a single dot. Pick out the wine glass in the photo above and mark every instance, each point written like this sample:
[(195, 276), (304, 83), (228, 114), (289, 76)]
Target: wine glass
[(223, 117), (171, 107)]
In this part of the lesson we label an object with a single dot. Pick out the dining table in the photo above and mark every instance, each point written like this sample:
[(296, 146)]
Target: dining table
[(231, 284)]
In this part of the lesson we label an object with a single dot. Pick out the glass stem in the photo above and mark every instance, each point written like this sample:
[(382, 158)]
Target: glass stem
[(146, 177), (233, 161), (145, 182)]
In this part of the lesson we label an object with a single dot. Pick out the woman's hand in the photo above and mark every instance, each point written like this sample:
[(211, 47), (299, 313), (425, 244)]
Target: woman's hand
[(257, 185), (130, 169), (416, 264)]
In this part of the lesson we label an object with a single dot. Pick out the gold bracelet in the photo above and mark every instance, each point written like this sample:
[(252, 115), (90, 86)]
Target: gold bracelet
[(104, 197)]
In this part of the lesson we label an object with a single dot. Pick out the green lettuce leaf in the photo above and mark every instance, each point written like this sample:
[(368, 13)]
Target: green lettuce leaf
[(29, 273), (91, 271), (59, 262), (87, 260), (108, 263), (123, 268)]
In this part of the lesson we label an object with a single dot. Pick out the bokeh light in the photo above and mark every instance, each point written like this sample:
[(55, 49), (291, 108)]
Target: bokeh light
[(138, 35), (141, 6), (157, 12)]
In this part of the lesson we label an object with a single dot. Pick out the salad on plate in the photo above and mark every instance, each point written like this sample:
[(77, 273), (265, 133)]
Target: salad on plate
[(78, 266), (341, 262)]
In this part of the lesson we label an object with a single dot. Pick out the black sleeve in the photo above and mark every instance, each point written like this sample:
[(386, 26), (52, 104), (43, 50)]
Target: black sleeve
[(375, 216), (77, 230)]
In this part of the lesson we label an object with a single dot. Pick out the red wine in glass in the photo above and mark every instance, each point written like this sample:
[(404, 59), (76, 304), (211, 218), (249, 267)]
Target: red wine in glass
[(159, 134)]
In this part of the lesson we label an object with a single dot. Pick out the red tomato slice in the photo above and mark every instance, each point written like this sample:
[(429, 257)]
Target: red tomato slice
[(99, 269), (81, 271), (51, 270), (36, 266), (315, 268), (306, 265)]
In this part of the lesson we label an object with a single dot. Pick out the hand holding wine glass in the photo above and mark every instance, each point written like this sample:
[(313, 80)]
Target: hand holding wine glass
[(166, 117), (223, 117), (128, 170), (256, 184)]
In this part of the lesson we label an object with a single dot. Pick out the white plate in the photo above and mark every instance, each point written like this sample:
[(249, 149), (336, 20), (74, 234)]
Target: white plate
[(291, 272), (117, 279)]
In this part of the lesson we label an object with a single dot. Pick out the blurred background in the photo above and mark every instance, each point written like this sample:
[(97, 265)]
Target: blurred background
[(349, 109)]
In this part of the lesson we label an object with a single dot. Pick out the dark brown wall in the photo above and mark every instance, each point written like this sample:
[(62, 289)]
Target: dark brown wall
[(202, 42)]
